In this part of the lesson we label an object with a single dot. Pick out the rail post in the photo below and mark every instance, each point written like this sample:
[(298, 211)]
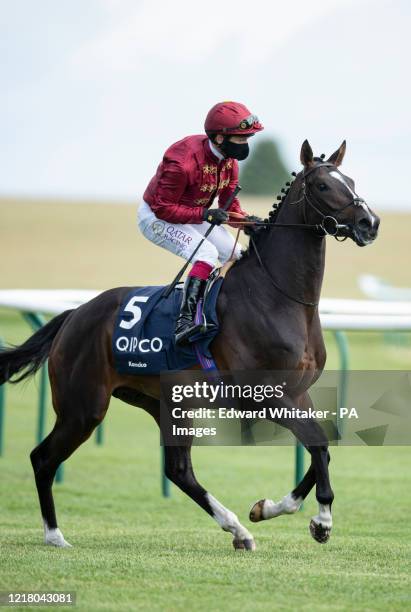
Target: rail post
[(2, 411), (343, 349), (165, 483), (299, 462), (100, 434)]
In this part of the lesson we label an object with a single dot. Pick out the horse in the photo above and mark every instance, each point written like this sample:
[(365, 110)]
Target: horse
[(268, 315)]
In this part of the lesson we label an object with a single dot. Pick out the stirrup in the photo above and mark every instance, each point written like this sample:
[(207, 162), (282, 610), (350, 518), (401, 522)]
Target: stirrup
[(181, 338)]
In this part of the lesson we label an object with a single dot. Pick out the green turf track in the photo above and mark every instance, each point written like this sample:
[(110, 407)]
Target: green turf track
[(134, 550)]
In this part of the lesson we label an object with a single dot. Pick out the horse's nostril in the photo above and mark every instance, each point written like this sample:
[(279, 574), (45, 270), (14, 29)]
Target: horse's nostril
[(364, 224)]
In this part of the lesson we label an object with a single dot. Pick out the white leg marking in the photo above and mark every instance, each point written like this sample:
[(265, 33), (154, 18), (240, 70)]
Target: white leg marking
[(54, 537), (227, 520), (324, 517), (288, 505)]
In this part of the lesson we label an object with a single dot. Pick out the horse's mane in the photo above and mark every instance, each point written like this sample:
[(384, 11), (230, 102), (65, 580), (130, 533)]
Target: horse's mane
[(273, 213), (271, 218)]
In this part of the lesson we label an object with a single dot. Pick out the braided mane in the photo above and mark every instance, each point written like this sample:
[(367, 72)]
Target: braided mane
[(275, 209), (272, 215)]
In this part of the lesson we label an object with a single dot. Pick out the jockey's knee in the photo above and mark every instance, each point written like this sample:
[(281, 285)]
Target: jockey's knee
[(208, 253), (227, 254)]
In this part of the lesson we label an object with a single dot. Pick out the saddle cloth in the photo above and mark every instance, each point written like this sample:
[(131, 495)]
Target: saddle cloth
[(143, 338)]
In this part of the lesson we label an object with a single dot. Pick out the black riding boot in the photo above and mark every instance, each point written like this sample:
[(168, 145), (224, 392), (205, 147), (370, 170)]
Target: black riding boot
[(185, 325)]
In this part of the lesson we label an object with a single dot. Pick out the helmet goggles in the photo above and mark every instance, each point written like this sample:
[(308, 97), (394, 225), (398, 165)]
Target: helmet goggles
[(250, 122)]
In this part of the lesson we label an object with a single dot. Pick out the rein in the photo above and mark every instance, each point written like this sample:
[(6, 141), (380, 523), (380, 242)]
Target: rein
[(272, 281)]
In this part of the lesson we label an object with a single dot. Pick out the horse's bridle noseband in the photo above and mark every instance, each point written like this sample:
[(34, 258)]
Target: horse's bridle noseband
[(329, 223)]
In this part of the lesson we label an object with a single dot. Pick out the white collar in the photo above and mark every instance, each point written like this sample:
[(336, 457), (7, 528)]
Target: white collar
[(215, 151)]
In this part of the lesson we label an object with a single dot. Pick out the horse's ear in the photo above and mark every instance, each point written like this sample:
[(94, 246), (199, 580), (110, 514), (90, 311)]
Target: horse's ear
[(337, 157), (306, 155)]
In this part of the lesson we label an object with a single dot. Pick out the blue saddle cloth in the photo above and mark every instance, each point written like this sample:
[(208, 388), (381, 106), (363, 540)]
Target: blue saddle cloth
[(143, 338)]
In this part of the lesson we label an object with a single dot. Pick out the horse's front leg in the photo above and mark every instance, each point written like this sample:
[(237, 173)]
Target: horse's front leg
[(178, 469), (289, 504), (312, 436), (267, 508), (321, 524)]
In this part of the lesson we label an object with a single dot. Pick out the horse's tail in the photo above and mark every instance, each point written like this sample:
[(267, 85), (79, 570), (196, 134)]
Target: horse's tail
[(31, 355)]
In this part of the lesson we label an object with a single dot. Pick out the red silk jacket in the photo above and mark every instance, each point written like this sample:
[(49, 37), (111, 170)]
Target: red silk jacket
[(188, 179)]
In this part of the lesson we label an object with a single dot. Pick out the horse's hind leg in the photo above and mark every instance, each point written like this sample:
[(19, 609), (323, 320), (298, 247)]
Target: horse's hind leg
[(71, 429), (179, 469)]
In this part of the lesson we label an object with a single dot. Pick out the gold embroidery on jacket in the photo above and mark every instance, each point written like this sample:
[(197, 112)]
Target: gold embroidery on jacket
[(228, 165), (201, 201), (208, 187), (223, 183), (209, 169)]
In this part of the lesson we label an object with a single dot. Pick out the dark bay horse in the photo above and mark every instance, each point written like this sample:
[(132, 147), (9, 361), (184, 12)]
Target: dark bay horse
[(268, 313)]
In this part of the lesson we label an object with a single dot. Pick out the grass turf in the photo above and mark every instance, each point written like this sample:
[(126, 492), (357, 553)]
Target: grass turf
[(134, 550)]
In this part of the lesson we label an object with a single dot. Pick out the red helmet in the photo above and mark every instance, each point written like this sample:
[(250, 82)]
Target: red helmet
[(231, 118)]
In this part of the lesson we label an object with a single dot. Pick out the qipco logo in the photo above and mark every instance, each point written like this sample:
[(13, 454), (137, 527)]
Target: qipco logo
[(145, 345)]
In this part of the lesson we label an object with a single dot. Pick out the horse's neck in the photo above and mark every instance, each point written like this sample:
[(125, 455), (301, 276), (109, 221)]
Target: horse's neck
[(295, 257)]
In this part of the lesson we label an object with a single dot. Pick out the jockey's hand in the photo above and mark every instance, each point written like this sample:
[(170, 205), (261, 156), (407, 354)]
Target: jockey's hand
[(251, 230), (215, 216)]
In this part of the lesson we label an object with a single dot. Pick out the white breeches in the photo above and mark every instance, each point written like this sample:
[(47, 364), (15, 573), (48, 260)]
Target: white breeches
[(182, 238)]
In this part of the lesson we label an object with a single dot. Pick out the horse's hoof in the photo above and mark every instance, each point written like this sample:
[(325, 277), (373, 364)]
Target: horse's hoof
[(243, 544), (256, 512), (59, 543), (54, 537), (320, 533)]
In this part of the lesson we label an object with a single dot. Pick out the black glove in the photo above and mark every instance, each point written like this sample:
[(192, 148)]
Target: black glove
[(251, 230), (215, 216)]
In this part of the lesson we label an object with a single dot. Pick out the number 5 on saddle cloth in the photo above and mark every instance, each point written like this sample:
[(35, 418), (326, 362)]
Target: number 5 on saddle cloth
[(143, 337)]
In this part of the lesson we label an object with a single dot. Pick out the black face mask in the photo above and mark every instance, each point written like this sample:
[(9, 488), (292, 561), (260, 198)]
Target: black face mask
[(234, 150)]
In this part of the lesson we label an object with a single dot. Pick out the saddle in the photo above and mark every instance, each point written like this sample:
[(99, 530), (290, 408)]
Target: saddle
[(143, 335)]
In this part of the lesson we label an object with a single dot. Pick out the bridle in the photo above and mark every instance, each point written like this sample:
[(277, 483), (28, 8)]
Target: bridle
[(329, 222), (329, 225)]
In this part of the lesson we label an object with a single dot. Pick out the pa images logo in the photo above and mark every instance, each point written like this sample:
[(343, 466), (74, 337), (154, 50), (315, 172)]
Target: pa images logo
[(158, 227)]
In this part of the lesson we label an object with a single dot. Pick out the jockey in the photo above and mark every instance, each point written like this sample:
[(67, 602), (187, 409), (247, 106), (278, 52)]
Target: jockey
[(175, 212)]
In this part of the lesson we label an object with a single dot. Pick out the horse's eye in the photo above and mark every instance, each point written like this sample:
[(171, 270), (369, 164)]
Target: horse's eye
[(322, 187)]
